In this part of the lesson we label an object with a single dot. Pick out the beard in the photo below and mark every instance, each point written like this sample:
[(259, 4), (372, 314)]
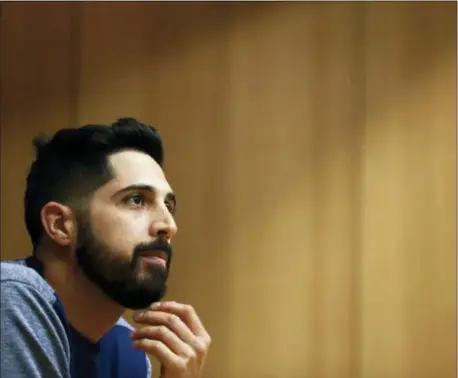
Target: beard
[(132, 284)]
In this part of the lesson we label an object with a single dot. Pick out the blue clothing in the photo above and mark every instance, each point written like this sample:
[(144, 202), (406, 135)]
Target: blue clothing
[(37, 341)]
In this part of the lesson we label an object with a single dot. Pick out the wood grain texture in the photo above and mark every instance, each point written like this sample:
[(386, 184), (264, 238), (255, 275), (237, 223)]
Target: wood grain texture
[(313, 150), (35, 94)]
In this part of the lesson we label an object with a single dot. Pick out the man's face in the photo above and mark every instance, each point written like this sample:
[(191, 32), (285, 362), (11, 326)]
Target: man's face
[(124, 237)]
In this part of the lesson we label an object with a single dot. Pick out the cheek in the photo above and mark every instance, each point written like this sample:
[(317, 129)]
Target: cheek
[(122, 231)]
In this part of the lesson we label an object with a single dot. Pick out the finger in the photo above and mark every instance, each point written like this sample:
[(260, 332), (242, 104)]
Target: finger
[(159, 350), (171, 321), (186, 313), (162, 333)]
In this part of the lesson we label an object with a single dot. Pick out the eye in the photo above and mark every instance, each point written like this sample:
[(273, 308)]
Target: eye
[(170, 206), (135, 200)]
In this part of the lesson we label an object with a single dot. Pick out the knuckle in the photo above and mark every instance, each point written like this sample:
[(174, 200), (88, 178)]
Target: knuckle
[(154, 344), (182, 366), (200, 346), (172, 319), (162, 330), (188, 308), (145, 331), (205, 341), (191, 356)]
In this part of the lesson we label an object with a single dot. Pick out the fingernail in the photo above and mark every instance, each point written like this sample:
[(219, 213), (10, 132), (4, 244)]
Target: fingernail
[(138, 315)]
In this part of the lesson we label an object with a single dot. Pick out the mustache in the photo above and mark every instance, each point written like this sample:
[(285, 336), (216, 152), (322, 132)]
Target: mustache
[(157, 245)]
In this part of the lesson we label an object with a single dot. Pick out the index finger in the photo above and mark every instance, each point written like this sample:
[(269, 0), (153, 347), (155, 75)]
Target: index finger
[(187, 314)]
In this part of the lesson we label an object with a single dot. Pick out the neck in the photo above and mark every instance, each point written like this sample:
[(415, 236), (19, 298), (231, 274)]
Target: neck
[(87, 308)]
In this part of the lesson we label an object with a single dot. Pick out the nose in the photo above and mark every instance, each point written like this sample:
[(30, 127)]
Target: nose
[(164, 226)]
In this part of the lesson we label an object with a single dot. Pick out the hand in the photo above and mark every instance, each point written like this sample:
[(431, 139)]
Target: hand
[(173, 333)]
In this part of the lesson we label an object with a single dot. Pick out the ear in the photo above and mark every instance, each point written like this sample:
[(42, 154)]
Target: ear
[(58, 222)]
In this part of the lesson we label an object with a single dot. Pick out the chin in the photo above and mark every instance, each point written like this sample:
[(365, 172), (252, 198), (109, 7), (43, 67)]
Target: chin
[(140, 301)]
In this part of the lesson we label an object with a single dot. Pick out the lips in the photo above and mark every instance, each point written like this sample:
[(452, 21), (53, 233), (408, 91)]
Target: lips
[(155, 256)]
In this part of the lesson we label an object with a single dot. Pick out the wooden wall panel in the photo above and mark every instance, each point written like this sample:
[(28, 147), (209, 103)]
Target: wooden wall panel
[(312, 148), (409, 192), (294, 115), (169, 68), (35, 76), (114, 58)]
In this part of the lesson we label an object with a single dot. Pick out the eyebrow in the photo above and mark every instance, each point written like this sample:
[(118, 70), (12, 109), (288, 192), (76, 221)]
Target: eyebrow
[(170, 195)]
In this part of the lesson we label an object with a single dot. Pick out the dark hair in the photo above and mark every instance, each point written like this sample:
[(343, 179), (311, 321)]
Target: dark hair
[(71, 165)]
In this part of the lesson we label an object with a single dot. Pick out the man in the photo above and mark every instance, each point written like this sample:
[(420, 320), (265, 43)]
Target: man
[(100, 214)]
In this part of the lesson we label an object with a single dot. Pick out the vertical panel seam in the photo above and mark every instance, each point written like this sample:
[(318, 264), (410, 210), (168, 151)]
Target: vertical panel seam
[(360, 104), (74, 63)]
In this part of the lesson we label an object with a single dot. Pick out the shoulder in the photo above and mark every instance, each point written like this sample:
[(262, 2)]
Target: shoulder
[(117, 356), (24, 291), (34, 338), (24, 279), (27, 297)]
